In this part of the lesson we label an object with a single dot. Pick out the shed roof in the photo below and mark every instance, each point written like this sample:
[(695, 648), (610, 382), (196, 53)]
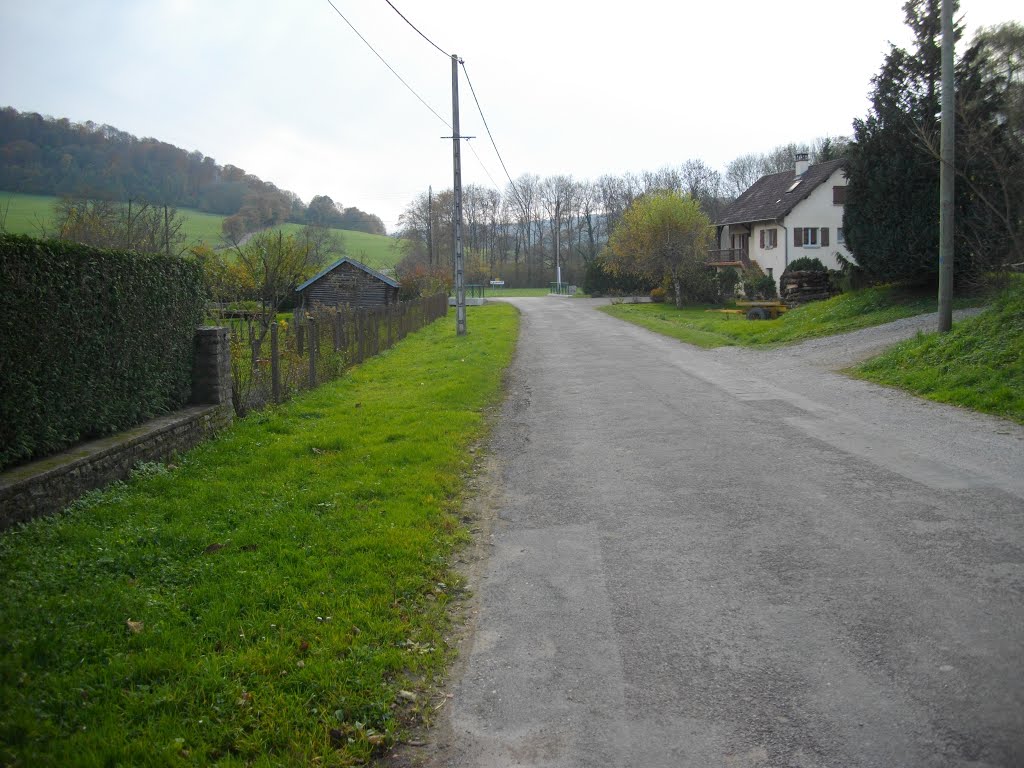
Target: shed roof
[(358, 265), (773, 196)]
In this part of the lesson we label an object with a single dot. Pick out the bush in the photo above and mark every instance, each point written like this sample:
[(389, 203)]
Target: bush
[(95, 341), (599, 281), (728, 278), (805, 264), (759, 288), (658, 295)]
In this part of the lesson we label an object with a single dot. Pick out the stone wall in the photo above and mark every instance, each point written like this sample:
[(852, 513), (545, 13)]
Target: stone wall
[(47, 486)]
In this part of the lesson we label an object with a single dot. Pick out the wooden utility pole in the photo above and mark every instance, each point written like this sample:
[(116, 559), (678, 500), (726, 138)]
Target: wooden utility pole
[(946, 178), (558, 232), (430, 225), (460, 286)]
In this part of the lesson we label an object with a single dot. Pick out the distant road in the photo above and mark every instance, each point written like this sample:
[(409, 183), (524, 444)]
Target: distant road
[(739, 558)]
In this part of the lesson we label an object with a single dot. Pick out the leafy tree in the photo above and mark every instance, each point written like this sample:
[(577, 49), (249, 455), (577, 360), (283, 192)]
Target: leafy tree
[(136, 226), (892, 212), (275, 264), (665, 236)]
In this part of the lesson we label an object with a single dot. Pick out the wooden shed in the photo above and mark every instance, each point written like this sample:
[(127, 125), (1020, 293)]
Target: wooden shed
[(347, 281)]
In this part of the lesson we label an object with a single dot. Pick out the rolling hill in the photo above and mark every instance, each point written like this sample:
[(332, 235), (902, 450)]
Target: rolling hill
[(31, 214)]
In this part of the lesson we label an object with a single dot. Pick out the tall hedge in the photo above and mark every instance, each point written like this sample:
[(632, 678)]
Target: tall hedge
[(91, 342)]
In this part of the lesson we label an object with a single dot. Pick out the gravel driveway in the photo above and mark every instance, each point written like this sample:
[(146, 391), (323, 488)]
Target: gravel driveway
[(738, 558)]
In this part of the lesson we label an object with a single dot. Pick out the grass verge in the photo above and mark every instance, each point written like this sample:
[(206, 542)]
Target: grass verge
[(840, 314), (276, 598), (979, 364)]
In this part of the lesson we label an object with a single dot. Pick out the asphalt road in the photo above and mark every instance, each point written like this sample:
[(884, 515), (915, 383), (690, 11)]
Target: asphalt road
[(739, 558)]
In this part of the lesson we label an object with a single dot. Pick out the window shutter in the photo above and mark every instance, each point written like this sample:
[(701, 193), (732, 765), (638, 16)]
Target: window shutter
[(838, 195), (824, 235), (798, 237), (762, 238)]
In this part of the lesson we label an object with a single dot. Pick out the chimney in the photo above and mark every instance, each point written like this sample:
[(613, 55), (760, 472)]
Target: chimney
[(801, 164)]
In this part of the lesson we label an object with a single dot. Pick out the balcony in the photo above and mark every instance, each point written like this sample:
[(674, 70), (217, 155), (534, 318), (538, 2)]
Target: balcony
[(729, 257)]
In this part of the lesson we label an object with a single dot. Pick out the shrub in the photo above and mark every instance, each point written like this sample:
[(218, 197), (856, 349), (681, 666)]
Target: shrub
[(759, 288), (805, 264), (599, 281), (658, 295), (95, 341), (728, 278)]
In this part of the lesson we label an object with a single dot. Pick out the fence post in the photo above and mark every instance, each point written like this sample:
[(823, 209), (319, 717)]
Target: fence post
[(343, 325), (388, 314), (300, 332), (376, 331), (359, 335), (312, 353), (275, 365)]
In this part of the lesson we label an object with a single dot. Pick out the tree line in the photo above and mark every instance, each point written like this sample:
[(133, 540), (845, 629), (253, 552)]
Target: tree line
[(513, 234), (51, 156)]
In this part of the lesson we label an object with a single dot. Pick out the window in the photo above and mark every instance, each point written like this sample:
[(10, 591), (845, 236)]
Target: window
[(839, 235), (806, 237), (769, 238), (838, 195)]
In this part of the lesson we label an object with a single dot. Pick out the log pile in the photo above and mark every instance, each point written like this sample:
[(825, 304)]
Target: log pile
[(797, 288)]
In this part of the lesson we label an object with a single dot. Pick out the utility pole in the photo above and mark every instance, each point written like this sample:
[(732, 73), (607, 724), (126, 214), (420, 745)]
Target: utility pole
[(558, 232), (430, 225), (946, 178), (460, 285)]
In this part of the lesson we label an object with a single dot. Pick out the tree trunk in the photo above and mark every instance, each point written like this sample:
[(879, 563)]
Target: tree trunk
[(677, 284)]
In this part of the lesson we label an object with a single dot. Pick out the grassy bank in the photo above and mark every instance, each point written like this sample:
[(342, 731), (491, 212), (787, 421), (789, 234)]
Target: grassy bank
[(847, 312), (276, 598), (979, 364)]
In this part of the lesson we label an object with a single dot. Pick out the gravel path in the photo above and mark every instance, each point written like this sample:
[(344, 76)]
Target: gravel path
[(738, 558)]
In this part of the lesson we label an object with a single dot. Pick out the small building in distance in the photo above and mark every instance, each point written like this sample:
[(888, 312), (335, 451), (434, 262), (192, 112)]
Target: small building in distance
[(347, 281)]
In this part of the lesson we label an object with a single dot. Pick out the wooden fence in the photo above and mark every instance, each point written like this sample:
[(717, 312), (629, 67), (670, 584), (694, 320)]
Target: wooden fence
[(272, 361)]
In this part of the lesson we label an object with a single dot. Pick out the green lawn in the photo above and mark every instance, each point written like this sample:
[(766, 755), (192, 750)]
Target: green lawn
[(25, 213), (979, 364), (847, 312), (276, 597), (512, 292)]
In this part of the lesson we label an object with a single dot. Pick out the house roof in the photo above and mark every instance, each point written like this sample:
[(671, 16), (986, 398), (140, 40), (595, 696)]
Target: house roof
[(772, 197), (358, 265)]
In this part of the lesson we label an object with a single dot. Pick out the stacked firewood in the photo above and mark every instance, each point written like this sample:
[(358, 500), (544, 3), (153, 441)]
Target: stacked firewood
[(801, 287)]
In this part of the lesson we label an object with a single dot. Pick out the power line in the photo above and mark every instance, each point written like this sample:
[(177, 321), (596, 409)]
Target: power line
[(448, 55), (413, 92), (480, 160), (490, 136)]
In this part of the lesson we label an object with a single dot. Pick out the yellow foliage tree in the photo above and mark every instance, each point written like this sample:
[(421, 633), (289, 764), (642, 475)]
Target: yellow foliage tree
[(664, 236)]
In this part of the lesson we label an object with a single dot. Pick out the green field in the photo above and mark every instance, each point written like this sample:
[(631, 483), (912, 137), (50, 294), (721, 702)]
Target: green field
[(847, 312), (277, 596), (30, 214)]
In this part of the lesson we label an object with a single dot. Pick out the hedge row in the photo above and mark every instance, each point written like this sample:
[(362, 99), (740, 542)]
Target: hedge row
[(93, 342)]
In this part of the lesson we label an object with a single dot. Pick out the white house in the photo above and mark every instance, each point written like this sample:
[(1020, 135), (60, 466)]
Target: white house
[(786, 216)]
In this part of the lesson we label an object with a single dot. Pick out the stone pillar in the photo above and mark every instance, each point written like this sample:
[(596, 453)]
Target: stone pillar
[(211, 367)]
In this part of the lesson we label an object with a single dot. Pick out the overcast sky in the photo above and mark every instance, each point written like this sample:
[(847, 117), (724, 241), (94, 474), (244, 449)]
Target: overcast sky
[(287, 91)]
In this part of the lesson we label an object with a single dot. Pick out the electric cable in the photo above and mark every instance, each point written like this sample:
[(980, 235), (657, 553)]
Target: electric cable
[(411, 90), (417, 29), (479, 109)]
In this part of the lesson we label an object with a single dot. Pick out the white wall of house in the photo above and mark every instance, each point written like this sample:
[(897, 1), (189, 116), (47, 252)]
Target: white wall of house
[(772, 259), (818, 211)]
